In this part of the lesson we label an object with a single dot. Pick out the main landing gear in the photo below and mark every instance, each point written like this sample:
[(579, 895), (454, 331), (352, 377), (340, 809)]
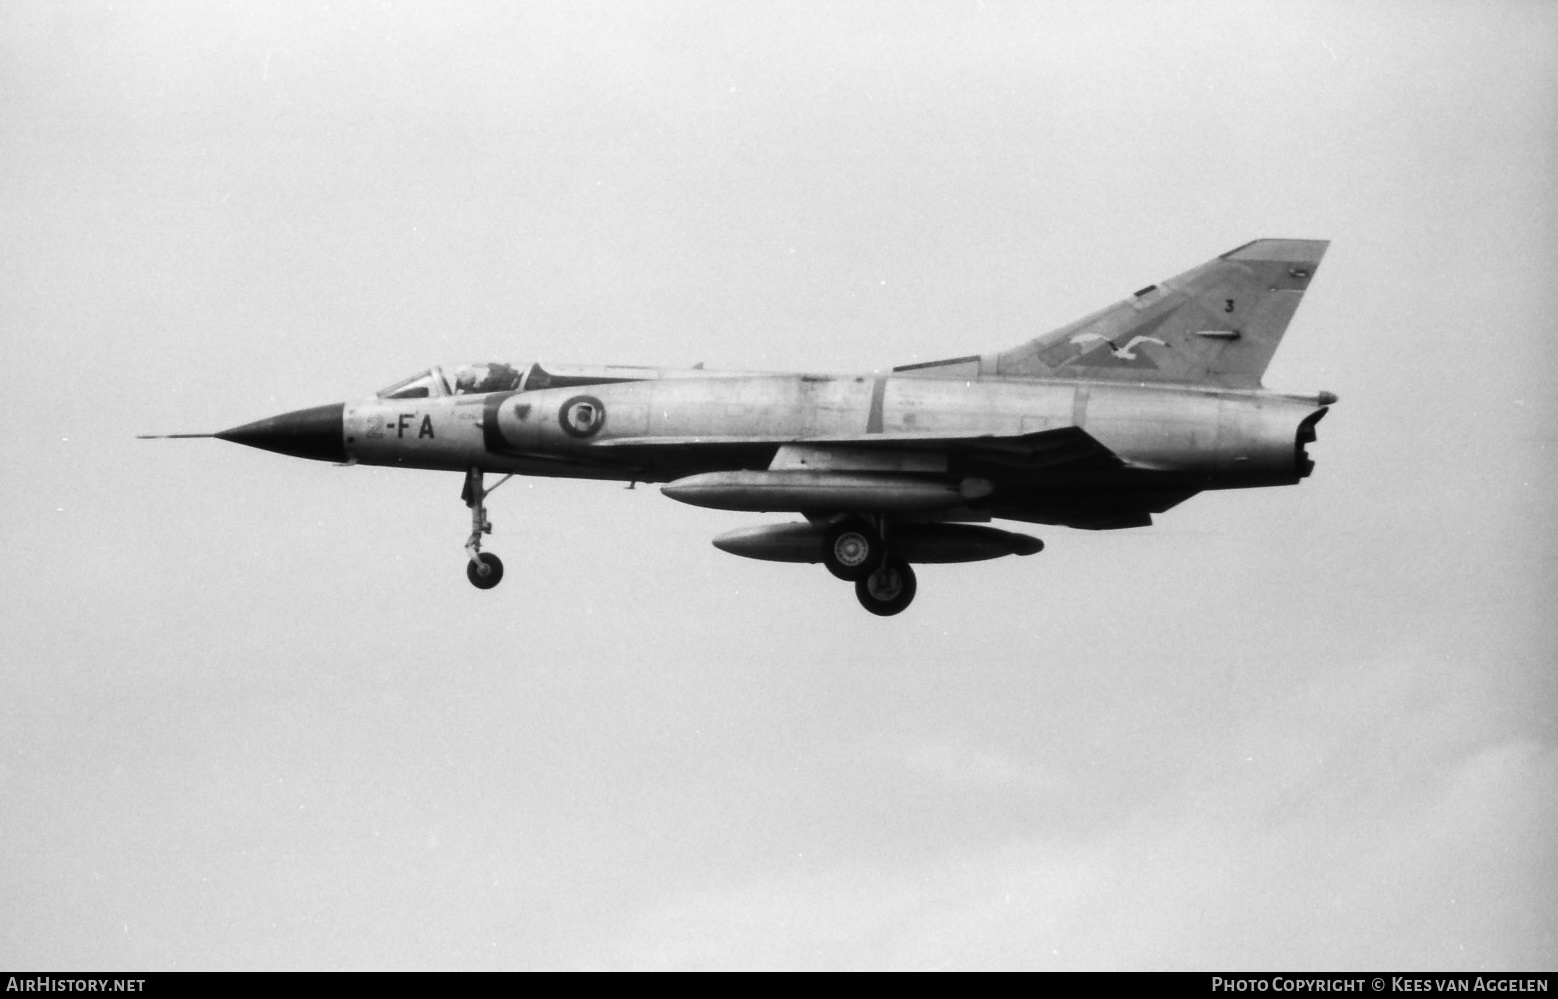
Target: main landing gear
[(484, 570), (856, 550), (888, 589), (852, 548)]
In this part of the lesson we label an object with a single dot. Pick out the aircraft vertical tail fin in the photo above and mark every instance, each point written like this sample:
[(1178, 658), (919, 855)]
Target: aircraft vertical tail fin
[(1216, 324)]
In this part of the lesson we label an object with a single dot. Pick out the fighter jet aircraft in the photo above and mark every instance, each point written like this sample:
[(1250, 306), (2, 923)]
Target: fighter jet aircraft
[(1097, 425)]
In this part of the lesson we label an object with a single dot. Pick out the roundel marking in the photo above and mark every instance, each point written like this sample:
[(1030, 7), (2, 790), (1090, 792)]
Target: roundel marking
[(582, 416)]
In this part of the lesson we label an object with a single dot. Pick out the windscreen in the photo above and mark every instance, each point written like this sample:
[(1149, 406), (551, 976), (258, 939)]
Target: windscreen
[(428, 383)]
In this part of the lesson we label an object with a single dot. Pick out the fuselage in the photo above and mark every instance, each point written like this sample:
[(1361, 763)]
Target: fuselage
[(1169, 441), (663, 428)]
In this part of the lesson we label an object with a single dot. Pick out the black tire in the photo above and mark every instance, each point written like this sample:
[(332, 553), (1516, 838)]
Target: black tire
[(851, 549), (494, 571), (888, 590)]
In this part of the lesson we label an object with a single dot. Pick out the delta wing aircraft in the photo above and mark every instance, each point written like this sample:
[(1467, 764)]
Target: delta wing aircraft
[(1097, 425)]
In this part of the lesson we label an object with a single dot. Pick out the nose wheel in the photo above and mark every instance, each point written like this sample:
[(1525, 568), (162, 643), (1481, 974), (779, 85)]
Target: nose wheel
[(483, 569)]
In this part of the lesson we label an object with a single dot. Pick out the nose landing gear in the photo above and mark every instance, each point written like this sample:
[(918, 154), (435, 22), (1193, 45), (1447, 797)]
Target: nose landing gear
[(484, 569)]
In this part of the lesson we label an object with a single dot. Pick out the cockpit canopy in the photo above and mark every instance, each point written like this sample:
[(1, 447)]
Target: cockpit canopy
[(471, 379), (495, 376)]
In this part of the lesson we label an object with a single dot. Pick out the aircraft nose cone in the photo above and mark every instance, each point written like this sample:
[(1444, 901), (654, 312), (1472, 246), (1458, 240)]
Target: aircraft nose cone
[(304, 433)]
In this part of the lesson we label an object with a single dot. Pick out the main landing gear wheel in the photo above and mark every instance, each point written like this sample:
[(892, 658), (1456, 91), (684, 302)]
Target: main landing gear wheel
[(888, 589), (851, 549), (485, 572)]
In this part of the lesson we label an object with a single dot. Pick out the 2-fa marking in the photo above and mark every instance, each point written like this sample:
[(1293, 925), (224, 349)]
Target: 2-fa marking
[(403, 423)]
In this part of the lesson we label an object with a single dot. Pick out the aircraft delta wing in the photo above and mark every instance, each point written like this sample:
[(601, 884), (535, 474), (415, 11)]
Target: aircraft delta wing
[(1096, 425)]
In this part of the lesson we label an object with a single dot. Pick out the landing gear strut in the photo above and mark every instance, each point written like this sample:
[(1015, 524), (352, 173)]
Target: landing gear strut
[(484, 570)]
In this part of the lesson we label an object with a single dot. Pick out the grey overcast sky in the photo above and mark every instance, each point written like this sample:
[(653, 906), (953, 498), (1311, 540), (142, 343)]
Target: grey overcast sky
[(254, 717)]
